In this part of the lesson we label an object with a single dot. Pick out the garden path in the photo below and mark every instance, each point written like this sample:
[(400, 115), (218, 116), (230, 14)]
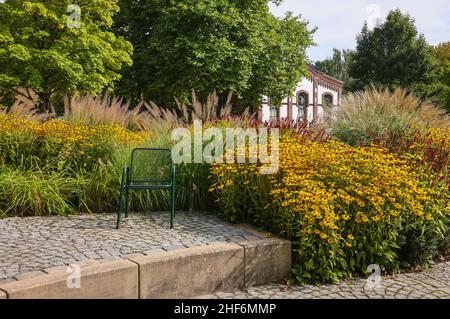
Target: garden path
[(430, 284), (34, 243)]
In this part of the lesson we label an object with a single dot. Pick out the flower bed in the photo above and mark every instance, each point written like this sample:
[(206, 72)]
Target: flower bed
[(59, 144), (55, 167), (344, 208)]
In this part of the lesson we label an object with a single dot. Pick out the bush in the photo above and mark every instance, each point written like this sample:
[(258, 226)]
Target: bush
[(369, 114), (343, 208), (102, 192), (92, 144), (57, 145), (42, 162), (426, 149)]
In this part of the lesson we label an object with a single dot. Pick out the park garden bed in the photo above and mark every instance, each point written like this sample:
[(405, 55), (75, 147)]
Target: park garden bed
[(346, 199)]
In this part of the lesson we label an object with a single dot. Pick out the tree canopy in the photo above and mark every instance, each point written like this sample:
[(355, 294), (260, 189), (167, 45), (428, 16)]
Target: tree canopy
[(442, 53), (204, 45), (394, 54), (337, 66), (41, 54)]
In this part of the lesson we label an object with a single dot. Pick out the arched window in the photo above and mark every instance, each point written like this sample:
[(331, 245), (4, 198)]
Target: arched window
[(327, 99), (302, 105)]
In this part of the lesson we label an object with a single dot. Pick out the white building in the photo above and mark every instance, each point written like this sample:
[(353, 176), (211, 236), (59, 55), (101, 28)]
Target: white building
[(306, 104)]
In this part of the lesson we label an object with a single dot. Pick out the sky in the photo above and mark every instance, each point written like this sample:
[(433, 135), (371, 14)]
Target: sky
[(339, 22)]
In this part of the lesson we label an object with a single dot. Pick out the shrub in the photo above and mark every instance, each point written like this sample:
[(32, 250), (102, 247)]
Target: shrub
[(374, 112), (344, 208), (41, 159), (57, 145), (427, 151), (92, 144), (101, 194)]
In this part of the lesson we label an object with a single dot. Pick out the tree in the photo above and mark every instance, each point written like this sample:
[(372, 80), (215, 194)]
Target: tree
[(442, 53), (337, 66), (41, 54), (393, 54), (211, 44)]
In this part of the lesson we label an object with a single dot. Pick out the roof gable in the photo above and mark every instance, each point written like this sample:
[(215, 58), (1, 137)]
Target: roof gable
[(326, 79)]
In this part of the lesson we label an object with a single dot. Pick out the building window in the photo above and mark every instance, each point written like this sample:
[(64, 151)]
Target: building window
[(302, 104), (273, 113), (327, 99)]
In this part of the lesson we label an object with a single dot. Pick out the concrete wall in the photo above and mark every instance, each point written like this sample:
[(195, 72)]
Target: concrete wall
[(191, 272), (181, 273), (116, 279)]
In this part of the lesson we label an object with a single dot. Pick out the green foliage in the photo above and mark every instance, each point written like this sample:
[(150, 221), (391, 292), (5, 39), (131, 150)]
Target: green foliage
[(342, 207), (428, 152), (419, 245), (102, 191), (442, 53), (57, 145), (93, 155), (40, 53), (393, 54), (27, 192), (338, 67), (210, 44)]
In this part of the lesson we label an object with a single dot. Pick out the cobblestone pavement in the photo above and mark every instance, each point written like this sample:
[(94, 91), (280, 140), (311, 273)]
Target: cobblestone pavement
[(430, 284), (35, 243)]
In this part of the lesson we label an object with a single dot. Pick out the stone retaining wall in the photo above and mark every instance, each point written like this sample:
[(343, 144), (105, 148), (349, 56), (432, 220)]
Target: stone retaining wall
[(180, 273)]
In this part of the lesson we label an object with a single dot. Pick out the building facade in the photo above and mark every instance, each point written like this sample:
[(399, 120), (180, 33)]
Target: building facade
[(307, 102)]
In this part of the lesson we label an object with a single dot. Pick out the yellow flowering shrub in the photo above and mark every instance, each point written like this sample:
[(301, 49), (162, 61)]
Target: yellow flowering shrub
[(59, 143), (344, 208), (55, 167)]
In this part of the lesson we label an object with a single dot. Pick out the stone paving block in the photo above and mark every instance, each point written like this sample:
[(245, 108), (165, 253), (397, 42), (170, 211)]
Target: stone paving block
[(88, 262), (267, 260), (401, 287), (209, 296), (191, 272), (56, 241), (115, 279)]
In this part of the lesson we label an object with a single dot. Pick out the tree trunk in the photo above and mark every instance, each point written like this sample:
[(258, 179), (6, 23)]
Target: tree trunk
[(44, 104)]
